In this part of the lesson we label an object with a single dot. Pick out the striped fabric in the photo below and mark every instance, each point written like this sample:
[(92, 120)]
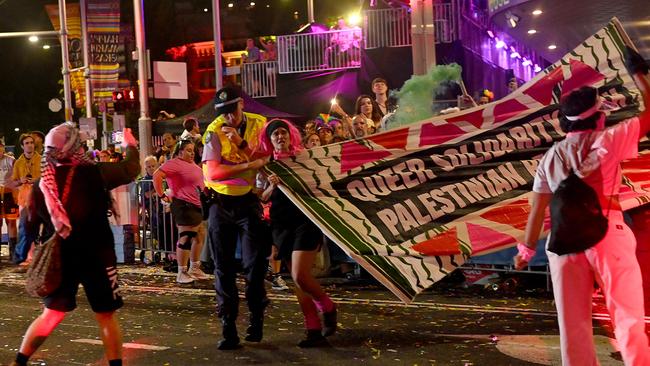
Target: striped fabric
[(104, 32), (412, 204)]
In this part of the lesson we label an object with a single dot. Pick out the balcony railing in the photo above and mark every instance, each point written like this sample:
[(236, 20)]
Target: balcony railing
[(339, 49), (387, 28), (446, 21), (258, 79)]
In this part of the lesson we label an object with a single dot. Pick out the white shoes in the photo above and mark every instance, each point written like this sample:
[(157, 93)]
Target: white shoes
[(197, 274), (184, 277)]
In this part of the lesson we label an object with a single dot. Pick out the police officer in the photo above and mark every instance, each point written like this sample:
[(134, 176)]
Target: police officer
[(229, 168)]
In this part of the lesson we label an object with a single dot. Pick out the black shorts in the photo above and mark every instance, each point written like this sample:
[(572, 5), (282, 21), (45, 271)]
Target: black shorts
[(97, 272), (185, 213), (8, 206), (305, 236)]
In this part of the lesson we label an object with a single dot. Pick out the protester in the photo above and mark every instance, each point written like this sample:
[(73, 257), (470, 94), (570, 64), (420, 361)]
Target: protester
[(594, 153), (26, 170), (296, 237), (87, 250), (360, 126), (366, 107), (273, 275), (339, 131), (382, 101), (185, 180), (229, 168), (325, 134), (8, 206), (485, 97), (310, 128), (311, 141)]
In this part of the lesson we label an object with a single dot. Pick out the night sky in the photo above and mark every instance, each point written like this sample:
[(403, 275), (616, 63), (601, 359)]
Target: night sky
[(31, 75)]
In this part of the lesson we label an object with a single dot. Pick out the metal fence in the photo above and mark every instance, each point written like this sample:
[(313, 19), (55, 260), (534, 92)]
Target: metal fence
[(157, 230), (387, 28), (446, 21), (332, 50), (258, 79)]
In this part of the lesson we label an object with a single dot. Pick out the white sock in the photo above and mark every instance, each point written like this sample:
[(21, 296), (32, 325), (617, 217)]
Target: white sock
[(196, 264)]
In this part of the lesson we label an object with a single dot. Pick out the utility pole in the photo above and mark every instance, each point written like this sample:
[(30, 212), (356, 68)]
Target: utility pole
[(423, 36), (216, 25), (65, 67), (310, 11), (144, 122)]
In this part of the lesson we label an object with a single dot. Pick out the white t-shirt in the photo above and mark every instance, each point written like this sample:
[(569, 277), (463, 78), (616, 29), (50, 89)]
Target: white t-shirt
[(597, 155)]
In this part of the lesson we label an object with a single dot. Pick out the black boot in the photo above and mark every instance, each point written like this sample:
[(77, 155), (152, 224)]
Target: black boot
[(313, 338), (13, 242), (230, 338), (254, 332), (329, 323)]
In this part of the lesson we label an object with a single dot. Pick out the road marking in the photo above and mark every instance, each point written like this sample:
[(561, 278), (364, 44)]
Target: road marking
[(98, 342)]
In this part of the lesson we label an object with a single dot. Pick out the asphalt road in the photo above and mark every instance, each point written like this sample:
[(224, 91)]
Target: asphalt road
[(168, 324)]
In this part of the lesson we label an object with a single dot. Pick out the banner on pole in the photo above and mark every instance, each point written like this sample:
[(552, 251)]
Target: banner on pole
[(105, 45), (75, 46)]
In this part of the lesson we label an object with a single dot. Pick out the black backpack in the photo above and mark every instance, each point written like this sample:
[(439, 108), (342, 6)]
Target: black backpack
[(577, 220)]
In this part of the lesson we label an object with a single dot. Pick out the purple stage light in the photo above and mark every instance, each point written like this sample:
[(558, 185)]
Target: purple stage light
[(489, 32), (515, 54), (500, 43), (537, 68), (526, 62)]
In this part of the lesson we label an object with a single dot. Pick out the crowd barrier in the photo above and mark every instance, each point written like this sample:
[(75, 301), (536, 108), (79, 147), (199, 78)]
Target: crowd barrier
[(156, 228)]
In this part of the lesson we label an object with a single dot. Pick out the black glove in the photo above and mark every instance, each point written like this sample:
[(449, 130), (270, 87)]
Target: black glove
[(635, 62)]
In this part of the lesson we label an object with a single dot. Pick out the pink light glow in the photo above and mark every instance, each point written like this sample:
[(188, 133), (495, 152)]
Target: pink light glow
[(500, 43), (515, 54), (526, 62), (489, 32), (537, 68)]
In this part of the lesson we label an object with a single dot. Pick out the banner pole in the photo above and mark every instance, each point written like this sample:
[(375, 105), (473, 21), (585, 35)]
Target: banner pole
[(65, 67)]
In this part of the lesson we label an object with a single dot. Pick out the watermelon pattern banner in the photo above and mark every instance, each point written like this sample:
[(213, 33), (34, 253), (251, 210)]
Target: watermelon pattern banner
[(411, 204)]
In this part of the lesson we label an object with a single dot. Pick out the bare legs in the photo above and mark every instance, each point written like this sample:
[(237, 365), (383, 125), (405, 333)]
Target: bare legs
[(109, 331), (39, 330), (301, 265), (197, 243), (182, 255), (43, 326)]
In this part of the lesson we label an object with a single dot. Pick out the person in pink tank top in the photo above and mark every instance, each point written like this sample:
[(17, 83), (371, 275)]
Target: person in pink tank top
[(184, 179)]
